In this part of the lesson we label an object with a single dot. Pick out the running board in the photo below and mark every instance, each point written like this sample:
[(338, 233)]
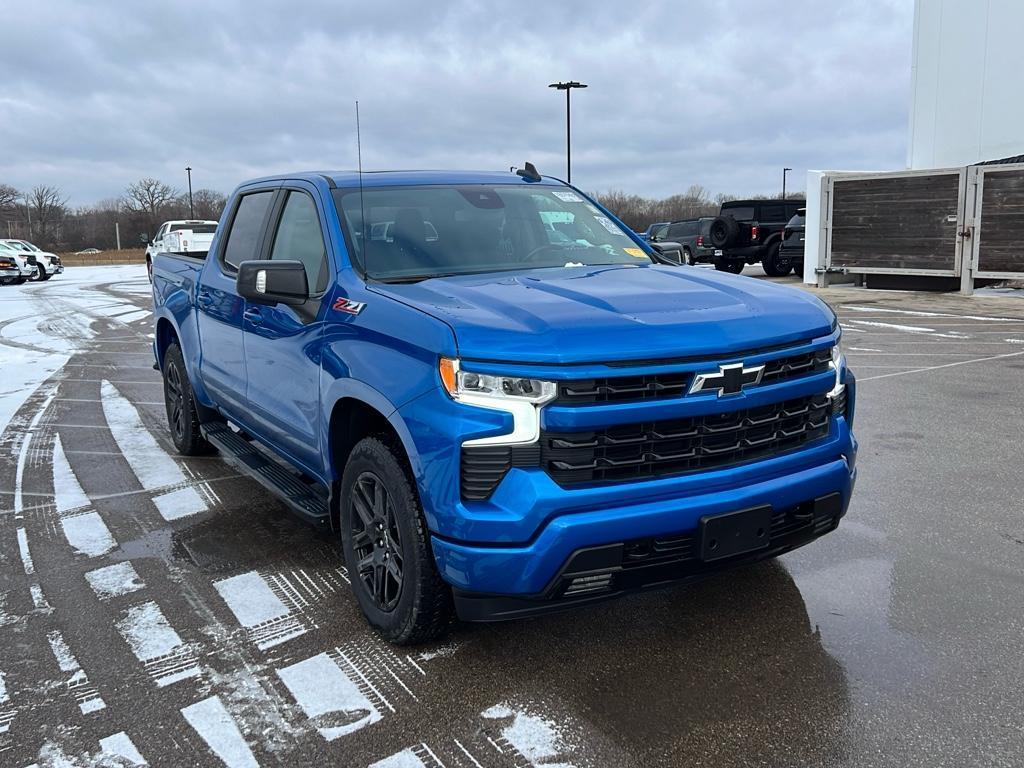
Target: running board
[(300, 496)]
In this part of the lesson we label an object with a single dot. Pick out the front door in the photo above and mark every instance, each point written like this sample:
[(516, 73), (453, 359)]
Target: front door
[(220, 308), (282, 343)]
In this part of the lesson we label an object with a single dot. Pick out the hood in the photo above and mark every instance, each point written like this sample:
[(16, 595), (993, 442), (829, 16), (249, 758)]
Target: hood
[(618, 313)]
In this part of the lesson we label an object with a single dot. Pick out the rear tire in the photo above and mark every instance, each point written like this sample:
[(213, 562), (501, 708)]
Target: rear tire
[(149, 268), (798, 267), (732, 267), (771, 263), (386, 546), (688, 257), (182, 414)]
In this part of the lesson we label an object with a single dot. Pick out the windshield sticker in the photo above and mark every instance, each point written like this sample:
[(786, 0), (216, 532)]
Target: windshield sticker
[(575, 264), (567, 197), (608, 224), (635, 252)]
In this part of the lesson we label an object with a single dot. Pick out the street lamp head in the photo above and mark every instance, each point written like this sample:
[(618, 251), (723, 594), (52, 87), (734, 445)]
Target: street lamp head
[(787, 169), (567, 86)]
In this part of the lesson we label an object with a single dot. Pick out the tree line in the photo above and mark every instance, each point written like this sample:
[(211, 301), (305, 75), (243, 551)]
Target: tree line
[(638, 212), (42, 215)]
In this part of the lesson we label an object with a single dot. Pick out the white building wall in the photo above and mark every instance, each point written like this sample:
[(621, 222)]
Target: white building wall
[(967, 82)]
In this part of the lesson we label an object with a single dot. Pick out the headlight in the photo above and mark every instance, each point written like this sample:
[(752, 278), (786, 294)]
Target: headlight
[(466, 384), (519, 396), (838, 361)]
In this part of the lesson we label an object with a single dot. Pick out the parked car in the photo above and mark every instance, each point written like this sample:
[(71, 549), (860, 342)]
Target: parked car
[(185, 236), (792, 249), (497, 423), (655, 231), (88, 252), (15, 267), (749, 231), (49, 264), (692, 236)]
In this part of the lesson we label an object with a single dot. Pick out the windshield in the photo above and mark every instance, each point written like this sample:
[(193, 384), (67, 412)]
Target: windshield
[(197, 229), (415, 233)]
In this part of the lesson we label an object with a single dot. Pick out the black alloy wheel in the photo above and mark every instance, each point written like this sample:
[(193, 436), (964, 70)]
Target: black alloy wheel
[(182, 413), (377, 541), (175, 397)]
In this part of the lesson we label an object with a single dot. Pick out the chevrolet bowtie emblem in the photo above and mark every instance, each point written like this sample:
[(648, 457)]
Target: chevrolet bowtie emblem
[(729, 380)]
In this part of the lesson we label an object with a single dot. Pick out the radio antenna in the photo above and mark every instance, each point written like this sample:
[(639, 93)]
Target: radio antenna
[(362, 208)]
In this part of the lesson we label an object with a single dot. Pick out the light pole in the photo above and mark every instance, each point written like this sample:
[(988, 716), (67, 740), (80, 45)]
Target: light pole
[(567, 87), (191, 210), (784, 172)]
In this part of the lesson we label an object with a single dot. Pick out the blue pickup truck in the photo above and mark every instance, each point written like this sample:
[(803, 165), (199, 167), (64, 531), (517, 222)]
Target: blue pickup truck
[(497, 396)]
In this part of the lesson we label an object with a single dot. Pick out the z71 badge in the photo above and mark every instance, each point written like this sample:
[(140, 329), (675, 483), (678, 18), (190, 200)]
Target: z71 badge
[(347, 305)]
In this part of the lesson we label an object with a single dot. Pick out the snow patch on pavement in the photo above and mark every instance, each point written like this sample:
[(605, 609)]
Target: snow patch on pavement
[(259, 610), (119, 745), (114, 580), (326, 694), (537, 739), (211, 720), (86, 695), (153, 467), (155, 643), (83, 528)]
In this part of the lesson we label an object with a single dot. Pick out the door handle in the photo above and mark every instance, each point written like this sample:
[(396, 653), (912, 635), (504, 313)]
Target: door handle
[(253, 316), (204, 299)]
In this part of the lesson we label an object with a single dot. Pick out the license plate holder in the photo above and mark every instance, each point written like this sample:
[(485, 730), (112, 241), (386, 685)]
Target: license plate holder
[(718, 251), (734, 533)]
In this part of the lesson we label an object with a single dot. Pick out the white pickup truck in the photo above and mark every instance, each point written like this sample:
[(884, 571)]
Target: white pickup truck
[(184, 236)]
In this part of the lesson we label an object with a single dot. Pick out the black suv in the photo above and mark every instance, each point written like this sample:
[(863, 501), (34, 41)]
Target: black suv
[(748, 231), (692, 235)]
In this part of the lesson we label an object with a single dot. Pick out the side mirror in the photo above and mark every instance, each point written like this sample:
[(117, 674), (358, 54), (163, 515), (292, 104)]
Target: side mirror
[(273, 282), (144, 239)]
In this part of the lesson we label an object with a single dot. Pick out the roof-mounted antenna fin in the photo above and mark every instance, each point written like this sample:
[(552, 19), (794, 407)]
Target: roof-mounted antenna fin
[(529, 172)]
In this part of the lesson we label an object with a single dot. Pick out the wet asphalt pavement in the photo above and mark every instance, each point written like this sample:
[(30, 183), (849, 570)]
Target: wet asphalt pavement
[(166, 611)]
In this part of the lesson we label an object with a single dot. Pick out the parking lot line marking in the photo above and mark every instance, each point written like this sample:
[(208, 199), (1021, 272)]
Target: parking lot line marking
[(26, 556), (114, 580), (467, 753), (7, 713), (67, 491), (937, 367), (119, 745), (86, 695), (910, 329), (922, 313), (151, 464), (328, 696), (212, 721)]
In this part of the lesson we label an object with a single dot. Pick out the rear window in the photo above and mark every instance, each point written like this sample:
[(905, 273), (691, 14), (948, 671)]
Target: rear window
[(199, 229), (247, 228), (739, 212)]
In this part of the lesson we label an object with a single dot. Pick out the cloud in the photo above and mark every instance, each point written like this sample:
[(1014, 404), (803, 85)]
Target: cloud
[(723, 94)]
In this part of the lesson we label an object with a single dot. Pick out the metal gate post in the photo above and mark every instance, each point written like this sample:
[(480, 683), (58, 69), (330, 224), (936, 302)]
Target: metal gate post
[(967, 236)]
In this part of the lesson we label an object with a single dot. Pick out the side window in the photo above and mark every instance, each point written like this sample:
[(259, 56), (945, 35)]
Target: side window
[(676, 230), (246, 228), (773, 213), (299, 238)]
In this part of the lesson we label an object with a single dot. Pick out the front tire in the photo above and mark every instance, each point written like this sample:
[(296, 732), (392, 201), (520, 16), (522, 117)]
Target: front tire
[(38, 276), (386, 547), (182, 414)]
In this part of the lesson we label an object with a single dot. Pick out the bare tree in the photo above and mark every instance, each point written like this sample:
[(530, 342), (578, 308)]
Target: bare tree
[(149, 200), (8, 197), (207, 203), (46, 208)]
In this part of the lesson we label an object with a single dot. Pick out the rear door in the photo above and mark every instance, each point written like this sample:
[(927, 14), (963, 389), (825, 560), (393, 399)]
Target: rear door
[(282, 342), (219, 307)]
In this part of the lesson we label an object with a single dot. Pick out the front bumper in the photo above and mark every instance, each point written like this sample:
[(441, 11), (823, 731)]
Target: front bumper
[(531, 571), (16, 273), (594, 574)]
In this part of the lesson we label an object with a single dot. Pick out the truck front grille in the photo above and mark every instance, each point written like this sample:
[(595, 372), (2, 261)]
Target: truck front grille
[(618, 389), (659, 448)]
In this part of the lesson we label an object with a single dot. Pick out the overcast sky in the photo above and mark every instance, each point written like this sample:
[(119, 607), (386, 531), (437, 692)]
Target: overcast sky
[(97, 94)]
